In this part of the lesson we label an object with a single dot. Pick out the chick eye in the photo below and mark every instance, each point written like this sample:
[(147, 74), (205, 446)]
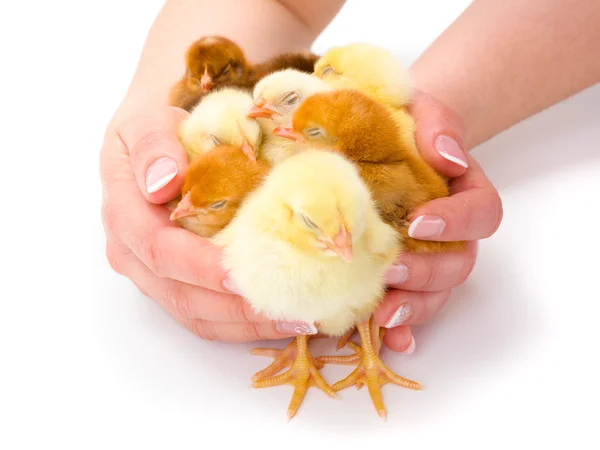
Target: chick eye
[(313, 132), (309, 223), (290, 99), (218, 205), (215, 140), (327, 70), (226, 70)]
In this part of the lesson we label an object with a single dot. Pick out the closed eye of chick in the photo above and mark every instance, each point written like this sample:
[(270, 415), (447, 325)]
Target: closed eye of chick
[(276, 97), (220, 119), (210, 62), (352, 123), (215, 186), (376, 72), (302, 256)]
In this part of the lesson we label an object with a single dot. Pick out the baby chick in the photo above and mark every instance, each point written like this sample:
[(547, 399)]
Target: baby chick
[(302, 62), (303, 256), (210, 62), (276, 97), (376, 72), (362, 129), (220, 118), (215, 186)]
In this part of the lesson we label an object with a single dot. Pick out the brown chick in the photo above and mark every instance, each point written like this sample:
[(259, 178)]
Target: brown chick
[(210, 62), (350, 122), (215, 186), (215, 61)]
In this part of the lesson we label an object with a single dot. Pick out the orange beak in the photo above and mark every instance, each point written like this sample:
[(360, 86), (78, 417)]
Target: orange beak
[(258, 109), (342, 244), (288, 133), (206, 81), (247, 148), (184, 208)]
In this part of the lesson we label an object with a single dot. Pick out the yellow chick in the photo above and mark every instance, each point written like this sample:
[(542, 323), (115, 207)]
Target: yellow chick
[(376, 72), (276, 97), (220, 119), (308, 246)]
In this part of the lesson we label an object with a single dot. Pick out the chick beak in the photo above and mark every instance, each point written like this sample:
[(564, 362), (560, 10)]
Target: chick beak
[(247, 148), (342, 244), (206, 81), (258, 109), (288, 133), (184, 208)]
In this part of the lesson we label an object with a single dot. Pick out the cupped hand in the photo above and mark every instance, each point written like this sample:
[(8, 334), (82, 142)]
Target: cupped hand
[(143, 166), (421, 283)]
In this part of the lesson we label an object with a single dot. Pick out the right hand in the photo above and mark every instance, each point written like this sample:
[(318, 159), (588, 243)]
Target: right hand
[(142, 166)]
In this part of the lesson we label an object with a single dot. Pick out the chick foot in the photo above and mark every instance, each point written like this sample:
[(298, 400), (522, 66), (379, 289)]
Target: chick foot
[(371, 370), (282, 359), (302, 375)]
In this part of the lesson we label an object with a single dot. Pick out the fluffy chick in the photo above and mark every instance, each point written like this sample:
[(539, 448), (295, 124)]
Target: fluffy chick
[(376, 72), (276, 97), (215, 186), (302, 62), (210, 62), (220, 118), (352, 123)]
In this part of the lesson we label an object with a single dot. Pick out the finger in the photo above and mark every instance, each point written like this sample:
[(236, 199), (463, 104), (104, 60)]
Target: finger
[(438, 135), (400, 308), (168, 250), (234, 332), (400, 339), (473, 211), (432, 271), (158, 159), (180, 299)]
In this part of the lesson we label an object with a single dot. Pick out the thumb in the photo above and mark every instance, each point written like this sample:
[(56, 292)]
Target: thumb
[(158, 158), (438, 135)]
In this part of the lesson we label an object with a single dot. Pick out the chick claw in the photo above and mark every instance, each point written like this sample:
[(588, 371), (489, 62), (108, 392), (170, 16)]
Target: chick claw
[(371, 370), (302, 375)]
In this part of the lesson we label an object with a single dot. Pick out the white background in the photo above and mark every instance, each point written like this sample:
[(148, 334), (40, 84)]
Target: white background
[(88, 362)]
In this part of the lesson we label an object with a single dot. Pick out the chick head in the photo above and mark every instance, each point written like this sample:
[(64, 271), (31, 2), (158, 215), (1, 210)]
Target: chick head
[(319, 203), (366, 67), (213, 61), (215, 185), (277, 95), (220, 119), (347, 121)]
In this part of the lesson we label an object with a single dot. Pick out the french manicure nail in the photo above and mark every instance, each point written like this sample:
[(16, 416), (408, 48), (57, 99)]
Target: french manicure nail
[(159, 174), (397, 274), (401, 315), (426, 226), (449, 149), (231, 286), (411, 347), (301, 328)]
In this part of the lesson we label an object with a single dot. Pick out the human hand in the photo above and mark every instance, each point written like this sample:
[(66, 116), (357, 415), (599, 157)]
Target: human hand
[(142, 167), (421, 283)]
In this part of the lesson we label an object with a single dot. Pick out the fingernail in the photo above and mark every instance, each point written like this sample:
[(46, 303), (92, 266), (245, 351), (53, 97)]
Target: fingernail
[(160, 173), (426, 226), (449, 149), (411, 347), (400, 316), (302, 328), (397, 274), (231, 286)]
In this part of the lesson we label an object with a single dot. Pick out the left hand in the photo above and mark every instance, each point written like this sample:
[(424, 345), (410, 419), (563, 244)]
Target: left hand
[(422, 282)]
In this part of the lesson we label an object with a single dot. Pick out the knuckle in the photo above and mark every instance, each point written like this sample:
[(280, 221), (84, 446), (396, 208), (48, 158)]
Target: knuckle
[(179, 302), (148, 143), (466, 270), (204, 329), (251, 332), (428, 276), (237, 311), (150, 254)]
